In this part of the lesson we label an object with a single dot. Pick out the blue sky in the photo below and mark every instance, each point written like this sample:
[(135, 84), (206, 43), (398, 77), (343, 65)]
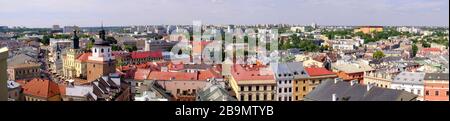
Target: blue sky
[(44, 13)]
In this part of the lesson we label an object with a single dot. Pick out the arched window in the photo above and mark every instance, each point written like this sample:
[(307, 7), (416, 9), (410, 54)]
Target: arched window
[(101, 50)]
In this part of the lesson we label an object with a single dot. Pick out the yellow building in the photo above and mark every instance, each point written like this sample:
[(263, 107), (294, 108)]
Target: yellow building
[(70, 63), (369, 29), (302, 86), (379, 79), (253, 83)]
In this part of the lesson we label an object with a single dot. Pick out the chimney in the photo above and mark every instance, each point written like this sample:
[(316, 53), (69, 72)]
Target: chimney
[(333, 97), (369, 86), (353, 82)]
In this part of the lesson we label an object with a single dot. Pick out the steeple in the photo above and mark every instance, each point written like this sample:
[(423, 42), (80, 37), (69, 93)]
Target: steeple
[(76, 40), (102, 33)]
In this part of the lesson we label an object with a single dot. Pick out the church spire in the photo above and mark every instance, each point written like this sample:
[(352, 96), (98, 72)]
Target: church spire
[(76, 40), (102, 33)]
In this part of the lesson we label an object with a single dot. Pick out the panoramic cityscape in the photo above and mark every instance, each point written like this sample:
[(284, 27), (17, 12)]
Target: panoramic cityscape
[(219, 50)]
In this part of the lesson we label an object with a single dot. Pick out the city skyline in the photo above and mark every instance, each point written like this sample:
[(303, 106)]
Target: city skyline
[(84, 13)]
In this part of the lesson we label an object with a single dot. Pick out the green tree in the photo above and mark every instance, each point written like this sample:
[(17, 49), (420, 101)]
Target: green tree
[(89, 45), (378, 55), (115, 48), (130, 48), (414, 50)]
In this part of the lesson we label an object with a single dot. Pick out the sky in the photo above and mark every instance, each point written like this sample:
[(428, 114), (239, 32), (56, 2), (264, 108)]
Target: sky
[(45, 13)]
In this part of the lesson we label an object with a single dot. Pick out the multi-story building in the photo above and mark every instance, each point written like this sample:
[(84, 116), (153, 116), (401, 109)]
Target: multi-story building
[(411, 82), (24, 71), (379, 79), (436, 87), (253, 83), (285, 74), (101, 62), (69, 60), (315, 77)]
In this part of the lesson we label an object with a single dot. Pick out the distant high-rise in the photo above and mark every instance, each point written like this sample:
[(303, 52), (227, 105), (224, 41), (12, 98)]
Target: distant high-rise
[(3, 74)]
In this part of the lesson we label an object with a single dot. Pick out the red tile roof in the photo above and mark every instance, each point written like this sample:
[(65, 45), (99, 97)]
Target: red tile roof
[(41, 88), (183, 76), (141, 74), (431, 49), (84, 57), (318, 71), (146, 54), (246, 72)]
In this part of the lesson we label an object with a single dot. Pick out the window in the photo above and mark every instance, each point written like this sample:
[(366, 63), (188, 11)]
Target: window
[(314, 81), (265, 88), (304, 88), (296, 97), (285, 81), (257, 88), (304, 81), (290, 89), (320, 81), (446, 93), (178, 91), (242, 97), (285, 89), (95, 50), (285, 98), (101, 50), (265, 97), (279, 98), (249, 88), (249, 97), (257, 97), (436, 93), (290, 98), (279, 90), (296, 89)]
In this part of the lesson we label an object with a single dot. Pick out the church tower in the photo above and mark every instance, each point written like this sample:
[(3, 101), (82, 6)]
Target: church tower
[(101, 62)]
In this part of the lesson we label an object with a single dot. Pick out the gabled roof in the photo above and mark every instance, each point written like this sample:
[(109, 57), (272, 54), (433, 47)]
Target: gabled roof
[(84, 57), (41, 88)]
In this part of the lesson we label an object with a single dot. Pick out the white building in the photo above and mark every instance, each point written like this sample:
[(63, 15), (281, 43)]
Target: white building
[(411, 82), (285, 73)]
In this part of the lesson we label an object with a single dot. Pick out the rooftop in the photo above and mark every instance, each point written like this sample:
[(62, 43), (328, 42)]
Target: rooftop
[(41, 88), (318, 71)]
